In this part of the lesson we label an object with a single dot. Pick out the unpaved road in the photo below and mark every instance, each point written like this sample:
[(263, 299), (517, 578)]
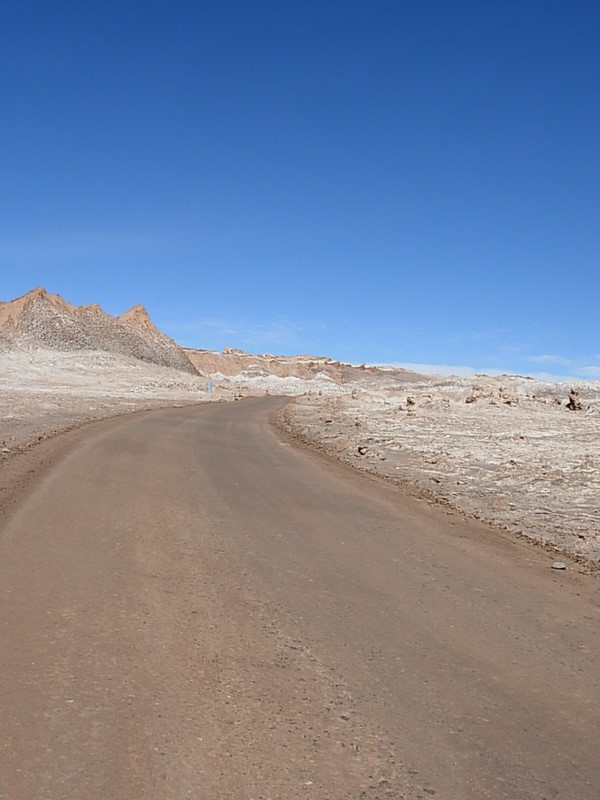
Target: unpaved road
[(192, 607)]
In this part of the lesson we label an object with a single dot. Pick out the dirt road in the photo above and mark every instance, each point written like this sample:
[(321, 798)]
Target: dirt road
[(192, 607)]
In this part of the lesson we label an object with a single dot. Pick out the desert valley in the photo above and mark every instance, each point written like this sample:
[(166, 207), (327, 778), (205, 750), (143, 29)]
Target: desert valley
[(250, 577), (517, 453)]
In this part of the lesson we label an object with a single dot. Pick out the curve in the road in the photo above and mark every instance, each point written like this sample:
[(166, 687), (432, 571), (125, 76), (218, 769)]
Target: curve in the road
[(192, 607)]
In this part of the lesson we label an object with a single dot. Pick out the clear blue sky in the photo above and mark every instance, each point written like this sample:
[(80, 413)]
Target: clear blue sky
[(413, 182)]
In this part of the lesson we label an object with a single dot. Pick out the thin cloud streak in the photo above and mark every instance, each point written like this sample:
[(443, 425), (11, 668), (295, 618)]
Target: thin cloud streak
[(581, 373), (445, 370), (254, 335), (80, 245), (575, 369), (281, 336)]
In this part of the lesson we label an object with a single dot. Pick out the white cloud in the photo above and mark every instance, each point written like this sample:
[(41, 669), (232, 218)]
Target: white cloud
[(551, 359), (591, 372), (569, 368), (443, 369)]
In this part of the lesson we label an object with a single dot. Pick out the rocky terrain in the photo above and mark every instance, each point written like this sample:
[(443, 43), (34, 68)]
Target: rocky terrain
[(41, 319), (62, 365), (233, 362), (44, 391), (520, 454), (517, 453)]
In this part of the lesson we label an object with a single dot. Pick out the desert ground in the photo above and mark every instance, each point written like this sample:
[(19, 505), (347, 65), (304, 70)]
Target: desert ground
[(505, 450), (511, 451), (204, 598), (43, 392), (194, 607)]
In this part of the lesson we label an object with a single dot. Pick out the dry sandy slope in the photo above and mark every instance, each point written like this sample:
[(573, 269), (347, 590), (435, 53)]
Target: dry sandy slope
[(505, 450)]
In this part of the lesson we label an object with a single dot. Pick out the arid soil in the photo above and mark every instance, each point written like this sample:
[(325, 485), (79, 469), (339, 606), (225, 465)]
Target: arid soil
[(45, 391), (232, 362), (62, 365), (193, 608), (505, 450)]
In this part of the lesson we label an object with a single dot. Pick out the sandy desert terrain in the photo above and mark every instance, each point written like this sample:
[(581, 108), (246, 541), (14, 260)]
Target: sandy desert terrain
[(44, 391), (505, 450), (61, 366)]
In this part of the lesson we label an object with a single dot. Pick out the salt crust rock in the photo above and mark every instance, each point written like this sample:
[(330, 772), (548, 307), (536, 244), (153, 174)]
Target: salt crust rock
[(514, 456)]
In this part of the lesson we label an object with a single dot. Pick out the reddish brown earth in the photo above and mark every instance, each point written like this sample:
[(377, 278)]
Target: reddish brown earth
[(193, 607), (40, 319), (233, 362)]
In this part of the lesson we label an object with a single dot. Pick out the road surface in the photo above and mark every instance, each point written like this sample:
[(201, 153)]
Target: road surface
[(192, 607)]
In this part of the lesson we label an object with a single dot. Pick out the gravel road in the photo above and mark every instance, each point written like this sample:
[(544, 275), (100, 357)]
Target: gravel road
[(193, 607)]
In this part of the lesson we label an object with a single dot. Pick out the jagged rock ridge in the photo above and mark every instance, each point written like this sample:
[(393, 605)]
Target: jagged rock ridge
[(235, 362), (41, 319)]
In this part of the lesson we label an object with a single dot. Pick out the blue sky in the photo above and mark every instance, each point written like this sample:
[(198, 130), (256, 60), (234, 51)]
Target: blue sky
[(397, 182)]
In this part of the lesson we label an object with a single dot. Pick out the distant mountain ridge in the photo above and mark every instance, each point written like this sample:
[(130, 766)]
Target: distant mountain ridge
[(235, 362), (42, 319)]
